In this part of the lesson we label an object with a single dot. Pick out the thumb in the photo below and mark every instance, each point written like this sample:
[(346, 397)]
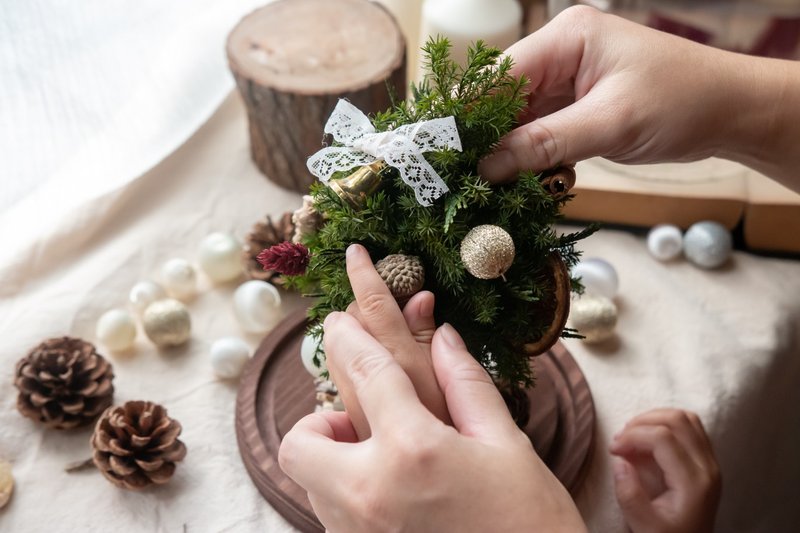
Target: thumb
[(574, 133), (475, 405), (632, 498)]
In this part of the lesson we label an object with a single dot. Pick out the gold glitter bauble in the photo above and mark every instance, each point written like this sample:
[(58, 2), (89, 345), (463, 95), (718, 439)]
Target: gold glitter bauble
[(167, 323), (6, 483), (594, 317), (487, 251)]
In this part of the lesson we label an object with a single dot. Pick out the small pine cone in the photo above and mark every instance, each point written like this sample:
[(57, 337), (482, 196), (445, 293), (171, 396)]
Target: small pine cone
[(403, 274), (63, 383), (137, 445), (264, 235), (307, 220)]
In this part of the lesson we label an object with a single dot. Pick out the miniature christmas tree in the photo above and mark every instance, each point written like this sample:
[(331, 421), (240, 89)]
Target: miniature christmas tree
[(489, 253)]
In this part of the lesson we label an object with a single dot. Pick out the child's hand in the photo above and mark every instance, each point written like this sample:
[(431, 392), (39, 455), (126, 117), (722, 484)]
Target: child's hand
[(684, 494)]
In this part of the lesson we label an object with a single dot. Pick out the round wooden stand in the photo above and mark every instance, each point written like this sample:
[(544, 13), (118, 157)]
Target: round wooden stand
[(276, 392)]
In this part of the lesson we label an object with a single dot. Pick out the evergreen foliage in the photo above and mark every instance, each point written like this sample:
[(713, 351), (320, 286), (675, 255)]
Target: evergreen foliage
[(495, 317)]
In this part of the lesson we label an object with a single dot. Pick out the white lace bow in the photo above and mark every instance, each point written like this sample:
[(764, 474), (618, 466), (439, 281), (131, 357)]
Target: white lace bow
[(401, 148)]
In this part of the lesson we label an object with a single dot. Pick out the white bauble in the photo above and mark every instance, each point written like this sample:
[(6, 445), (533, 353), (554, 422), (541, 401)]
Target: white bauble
[(598, 276), (220, 257), (228, 357), (179, 278), (665, 242), (257, 306), (307, 351), (144, 293), (708, 244), (116, 330), (594, 317), (167, 323)]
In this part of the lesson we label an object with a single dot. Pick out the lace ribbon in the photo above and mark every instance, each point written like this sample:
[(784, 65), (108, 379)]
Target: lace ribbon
[(401, 148)]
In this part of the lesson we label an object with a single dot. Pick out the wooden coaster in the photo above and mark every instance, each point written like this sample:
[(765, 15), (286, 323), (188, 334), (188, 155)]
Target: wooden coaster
[(276, 391)]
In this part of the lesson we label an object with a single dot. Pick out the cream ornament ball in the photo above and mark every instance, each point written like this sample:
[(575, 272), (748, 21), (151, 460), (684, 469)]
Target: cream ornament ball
[(665, 242), (487, 251), (594, 317), (598, 276), (116, 330), (179, 278), (167, 323), (144, 293), (228, 356), (708, 244), (256, 305), (220, 257), (307, 351)]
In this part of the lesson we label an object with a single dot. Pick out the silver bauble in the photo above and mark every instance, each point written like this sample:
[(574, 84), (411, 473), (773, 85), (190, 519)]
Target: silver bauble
[(708, 244), (594, 317)]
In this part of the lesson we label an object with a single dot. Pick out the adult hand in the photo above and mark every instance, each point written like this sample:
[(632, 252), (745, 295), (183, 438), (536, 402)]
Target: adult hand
[(414, 472), (677, 443), (604, 86)]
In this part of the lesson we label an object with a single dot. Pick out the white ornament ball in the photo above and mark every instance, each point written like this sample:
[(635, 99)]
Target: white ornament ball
[(665, 242), (708, 244), (220, 257), (167, 323), (256, 305), (598, 276), (144, 293), (594, 317), (180, 278), (228, 357), (116, 329), (307, 351)]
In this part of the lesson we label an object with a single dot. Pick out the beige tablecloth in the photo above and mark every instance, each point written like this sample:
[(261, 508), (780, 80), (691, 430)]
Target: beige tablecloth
[(723, 343)]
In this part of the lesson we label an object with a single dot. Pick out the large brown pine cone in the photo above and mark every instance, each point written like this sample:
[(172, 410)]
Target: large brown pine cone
[(63, 383), (264, 235), (137, 444), (403, 274)]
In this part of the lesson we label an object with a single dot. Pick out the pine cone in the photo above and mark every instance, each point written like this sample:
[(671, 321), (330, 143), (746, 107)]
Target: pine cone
[(63, 383), (403, 274), (307, 220), (264, 235), (137, 444)]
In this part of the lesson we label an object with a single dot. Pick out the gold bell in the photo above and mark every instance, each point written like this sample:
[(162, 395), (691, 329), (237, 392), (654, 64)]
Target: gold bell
[(355, 188), (559, 183)]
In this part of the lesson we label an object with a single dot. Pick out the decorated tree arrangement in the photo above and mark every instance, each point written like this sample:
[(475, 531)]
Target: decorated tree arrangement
[(405, 184)]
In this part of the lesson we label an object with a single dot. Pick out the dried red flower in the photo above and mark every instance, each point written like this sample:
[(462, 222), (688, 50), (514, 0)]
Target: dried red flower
[(288, 258)]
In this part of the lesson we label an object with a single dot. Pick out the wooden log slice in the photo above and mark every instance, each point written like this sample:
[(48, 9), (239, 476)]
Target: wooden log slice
[(293, 59), (276, 392)]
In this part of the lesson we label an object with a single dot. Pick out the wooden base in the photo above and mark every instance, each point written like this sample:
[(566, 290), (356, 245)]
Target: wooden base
[(276, 392)]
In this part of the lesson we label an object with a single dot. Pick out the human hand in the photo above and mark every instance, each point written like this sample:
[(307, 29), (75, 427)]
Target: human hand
[(604, 86), (684, 494), (414, 472)]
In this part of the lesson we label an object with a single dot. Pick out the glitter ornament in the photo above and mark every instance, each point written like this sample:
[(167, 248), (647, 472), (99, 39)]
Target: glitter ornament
[(665, 242), (144, 293), (6, 483), (180, 278), (708, 244), (308, 349), (594, 317), (228, 357), (598, 276), (220, 257), (167, 323), (256, 305), (116, 329), (487, 251)]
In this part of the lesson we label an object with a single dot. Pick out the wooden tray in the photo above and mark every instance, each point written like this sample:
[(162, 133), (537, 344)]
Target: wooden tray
[(276, 392)]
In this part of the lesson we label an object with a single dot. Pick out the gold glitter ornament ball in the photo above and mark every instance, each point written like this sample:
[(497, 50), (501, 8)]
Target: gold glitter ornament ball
[(487, 251), (594, 317), (167, 323)]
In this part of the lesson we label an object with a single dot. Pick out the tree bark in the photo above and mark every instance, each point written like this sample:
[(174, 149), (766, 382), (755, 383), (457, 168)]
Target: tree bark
[(293, 59)]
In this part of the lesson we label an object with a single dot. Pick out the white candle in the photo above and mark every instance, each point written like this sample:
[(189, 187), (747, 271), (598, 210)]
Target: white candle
[(407, 13), (497, 22)]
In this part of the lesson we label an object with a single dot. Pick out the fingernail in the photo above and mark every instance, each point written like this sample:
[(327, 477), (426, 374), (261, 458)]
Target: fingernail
[(451, 337), (353, 250), (620, 469), (331, 319)]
